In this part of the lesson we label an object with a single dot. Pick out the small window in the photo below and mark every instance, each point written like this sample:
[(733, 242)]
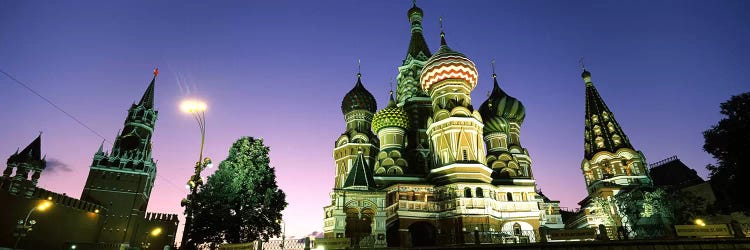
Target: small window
[(509, 196), (467, 192), (466, 155), (480, 194), (517, 229)]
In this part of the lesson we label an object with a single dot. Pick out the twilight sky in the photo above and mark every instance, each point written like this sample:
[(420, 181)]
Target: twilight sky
[(279, 69)]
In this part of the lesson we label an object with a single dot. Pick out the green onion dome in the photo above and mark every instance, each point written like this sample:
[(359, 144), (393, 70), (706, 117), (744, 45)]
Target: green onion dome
[(358, 98), (390, 116), (414, 11), (448, 64), (500, 109)]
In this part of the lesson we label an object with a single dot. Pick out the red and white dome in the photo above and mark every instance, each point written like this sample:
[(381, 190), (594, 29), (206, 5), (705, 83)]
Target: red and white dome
[(448, 64)]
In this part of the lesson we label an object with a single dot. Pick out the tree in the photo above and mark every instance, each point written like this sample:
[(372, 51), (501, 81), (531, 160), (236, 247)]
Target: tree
[(729, 143), (240, 201)]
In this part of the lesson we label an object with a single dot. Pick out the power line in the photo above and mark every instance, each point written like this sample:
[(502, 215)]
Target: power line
[(53, 105), (72, 117)]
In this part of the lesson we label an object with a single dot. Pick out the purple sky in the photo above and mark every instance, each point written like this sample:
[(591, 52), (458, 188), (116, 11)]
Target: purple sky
[(279, 69)]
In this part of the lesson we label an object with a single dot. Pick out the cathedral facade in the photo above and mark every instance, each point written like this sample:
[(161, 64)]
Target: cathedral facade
[(429, 168)]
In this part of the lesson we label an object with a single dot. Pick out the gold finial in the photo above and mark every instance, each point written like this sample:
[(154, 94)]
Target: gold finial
[(391, 86), (493, 68), (583, 66), (359, 67), (441, 24)]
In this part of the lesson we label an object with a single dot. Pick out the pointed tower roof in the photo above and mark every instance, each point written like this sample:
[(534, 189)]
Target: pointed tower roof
[(32, 152), (602, 132), (148, 97), (417, 43), (360, 176)]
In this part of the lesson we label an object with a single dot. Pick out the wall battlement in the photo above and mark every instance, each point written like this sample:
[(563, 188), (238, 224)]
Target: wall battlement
[(64, 200), (153, 217)]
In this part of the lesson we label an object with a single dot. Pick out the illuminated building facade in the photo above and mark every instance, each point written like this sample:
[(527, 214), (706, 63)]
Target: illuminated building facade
[(429, 168), (112, 210), (616, 176)]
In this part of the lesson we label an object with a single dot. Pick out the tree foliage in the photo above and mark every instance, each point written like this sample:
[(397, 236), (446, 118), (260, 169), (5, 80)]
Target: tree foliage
[(240, 201), (729, 143)]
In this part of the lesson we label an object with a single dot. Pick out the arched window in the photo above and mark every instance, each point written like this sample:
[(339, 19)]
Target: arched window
[(509, 196), (517, 229), (479, 193), (467, 192)]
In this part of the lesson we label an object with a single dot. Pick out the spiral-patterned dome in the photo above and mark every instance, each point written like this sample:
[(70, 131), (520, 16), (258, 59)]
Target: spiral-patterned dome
[(390, 116), (500, 109), (448, 64), (358, 98)]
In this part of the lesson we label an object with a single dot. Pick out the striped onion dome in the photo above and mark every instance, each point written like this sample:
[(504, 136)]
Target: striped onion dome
[(448, 64), (390, 116), (500, 109), (358, 98)]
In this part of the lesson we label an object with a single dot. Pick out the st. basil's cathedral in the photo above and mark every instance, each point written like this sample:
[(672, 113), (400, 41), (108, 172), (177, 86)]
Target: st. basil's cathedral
[(430, 169)]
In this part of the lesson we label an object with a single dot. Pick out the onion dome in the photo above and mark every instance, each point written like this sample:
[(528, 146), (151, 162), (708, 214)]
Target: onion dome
[(448, 64), (358, 98), (499, 109), (390, 116), (415, 11)]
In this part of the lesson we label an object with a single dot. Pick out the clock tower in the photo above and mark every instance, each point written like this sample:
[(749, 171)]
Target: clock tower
[(121, 180)]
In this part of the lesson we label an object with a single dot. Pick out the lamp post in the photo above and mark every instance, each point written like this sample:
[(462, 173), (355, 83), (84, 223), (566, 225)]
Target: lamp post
[(198, 110), (283, 233), (24, 225)]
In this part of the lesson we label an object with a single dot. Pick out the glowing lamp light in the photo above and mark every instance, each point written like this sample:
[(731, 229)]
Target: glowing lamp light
[(320, 248), (700, 222), (193, 106), (96, 211), (156, 232), (44, 205), (207, 161)]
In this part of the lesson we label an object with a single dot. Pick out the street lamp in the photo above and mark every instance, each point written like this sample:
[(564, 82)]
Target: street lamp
[(283, 232), (198, 110), (24, 225)]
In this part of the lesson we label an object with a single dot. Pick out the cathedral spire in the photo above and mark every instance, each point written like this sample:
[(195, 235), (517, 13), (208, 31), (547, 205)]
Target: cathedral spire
[(603, 133), (417, 44)]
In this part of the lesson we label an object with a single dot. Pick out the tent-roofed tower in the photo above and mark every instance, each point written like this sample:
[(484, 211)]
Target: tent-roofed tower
[(412, 97), (28, 161), (122, 180), (614, 171), (608, 155)]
